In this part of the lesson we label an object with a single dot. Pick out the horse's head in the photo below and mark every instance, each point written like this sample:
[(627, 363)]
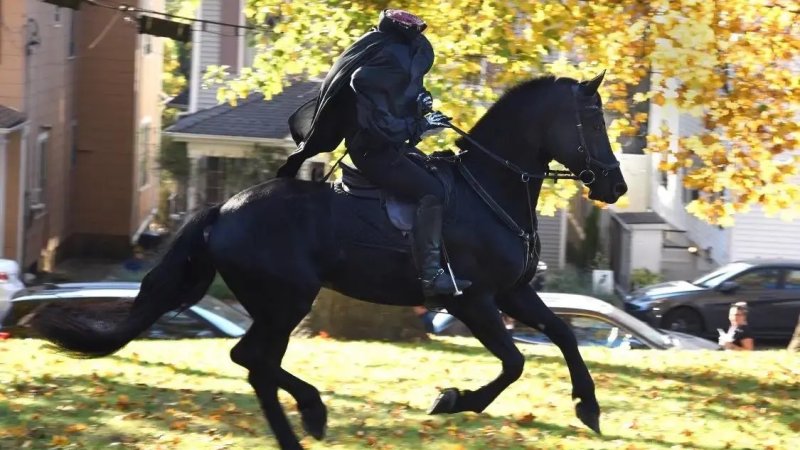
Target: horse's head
[(577, 138)]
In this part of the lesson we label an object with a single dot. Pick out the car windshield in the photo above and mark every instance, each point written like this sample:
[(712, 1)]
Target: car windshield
[(716, 277), (638, 327)]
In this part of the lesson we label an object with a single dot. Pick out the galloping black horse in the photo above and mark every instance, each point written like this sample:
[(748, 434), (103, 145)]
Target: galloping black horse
[(278, 243)]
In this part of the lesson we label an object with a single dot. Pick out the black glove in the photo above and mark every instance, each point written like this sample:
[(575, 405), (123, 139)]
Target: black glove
[(436, 120), (424, 103)]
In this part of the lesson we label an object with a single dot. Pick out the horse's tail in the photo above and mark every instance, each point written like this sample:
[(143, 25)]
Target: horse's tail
[(180, 280)]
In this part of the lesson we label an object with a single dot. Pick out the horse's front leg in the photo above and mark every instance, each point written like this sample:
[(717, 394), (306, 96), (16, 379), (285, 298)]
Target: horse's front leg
[(483, 319), (525, 305)]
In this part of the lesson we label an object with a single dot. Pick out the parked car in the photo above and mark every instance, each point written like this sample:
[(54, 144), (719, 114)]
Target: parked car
[(538, 279), (595, 323), (208, 318), (771, 289), (10, 283)]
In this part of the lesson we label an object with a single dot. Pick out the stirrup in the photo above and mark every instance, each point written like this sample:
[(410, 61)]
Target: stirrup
[(453, 289), (429, 282)]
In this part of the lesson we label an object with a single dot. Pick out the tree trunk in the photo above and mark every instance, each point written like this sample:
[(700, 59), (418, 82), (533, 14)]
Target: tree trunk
[(342, 317)]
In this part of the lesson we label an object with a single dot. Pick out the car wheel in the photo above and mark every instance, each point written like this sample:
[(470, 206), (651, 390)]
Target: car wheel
[(683, 320)]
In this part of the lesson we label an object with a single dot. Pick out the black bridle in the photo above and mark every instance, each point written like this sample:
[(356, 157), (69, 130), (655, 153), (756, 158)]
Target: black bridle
[(587, 176)]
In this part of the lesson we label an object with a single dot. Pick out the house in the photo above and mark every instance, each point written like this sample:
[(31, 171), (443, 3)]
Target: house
[(226, 143), (655, 231), (79, 124)]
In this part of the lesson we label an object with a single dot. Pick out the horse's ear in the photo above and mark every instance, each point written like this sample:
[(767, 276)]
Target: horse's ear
[(590, 87)]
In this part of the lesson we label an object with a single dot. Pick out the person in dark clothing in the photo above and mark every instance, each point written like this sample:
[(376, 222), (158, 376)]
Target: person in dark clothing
[(738, 336), (374, 99)]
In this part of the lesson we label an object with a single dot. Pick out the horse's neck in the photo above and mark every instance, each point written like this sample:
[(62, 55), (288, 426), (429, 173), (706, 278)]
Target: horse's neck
[(504, 185)]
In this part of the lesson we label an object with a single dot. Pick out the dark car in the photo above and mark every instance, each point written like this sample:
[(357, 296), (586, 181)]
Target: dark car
[(594, 323), (771, 289), (208, 318)]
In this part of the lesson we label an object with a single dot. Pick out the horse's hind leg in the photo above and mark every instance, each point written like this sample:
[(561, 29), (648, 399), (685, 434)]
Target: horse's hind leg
[(276, 311)]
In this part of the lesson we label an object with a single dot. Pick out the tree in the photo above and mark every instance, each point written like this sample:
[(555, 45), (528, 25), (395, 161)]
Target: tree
[(728, 62)]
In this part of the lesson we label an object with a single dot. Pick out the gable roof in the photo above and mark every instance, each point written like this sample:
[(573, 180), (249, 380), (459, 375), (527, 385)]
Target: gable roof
[(251, 117), (10, 118)]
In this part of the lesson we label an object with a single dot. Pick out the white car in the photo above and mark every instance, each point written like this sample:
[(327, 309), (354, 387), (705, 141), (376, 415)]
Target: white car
[(10, 283), (594, 323)]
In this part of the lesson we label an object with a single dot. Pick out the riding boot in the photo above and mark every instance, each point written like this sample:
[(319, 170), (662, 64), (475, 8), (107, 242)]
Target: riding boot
[(427, 250)]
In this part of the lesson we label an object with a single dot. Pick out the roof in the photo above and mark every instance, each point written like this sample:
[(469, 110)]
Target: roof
[(252, 117), (180, 101), (10, 118), (777, 262), (638, 218)]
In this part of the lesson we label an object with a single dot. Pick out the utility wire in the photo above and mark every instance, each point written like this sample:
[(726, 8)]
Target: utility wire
[(134, 9)]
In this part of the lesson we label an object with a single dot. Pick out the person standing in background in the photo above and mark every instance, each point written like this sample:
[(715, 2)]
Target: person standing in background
[(738, 336)]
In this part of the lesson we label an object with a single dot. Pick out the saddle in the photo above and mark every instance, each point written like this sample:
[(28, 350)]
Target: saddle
[(399, 210)]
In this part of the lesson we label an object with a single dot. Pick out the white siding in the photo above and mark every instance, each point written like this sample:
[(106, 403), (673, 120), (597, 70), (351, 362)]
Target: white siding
[(669, 201), (552, 233), (209, 50), (758, 236)]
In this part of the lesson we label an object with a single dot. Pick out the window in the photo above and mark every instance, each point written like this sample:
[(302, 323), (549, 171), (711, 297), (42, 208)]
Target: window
[(184, 324), (592, 331), (759, 279), (145, 142), (37, 183), (215, 180), (589, 331), (792, 280)]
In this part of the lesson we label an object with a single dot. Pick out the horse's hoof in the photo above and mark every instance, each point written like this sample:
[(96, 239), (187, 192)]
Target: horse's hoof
[(589, 416), (315, 420), (445, 403)]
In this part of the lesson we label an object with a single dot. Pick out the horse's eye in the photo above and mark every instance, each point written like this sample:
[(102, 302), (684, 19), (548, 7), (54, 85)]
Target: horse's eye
[(598, 127)]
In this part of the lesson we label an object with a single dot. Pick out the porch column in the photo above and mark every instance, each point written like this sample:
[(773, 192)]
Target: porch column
[(193, 189)]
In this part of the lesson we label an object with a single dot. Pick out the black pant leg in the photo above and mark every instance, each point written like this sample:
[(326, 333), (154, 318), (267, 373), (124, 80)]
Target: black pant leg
[(391, 170)]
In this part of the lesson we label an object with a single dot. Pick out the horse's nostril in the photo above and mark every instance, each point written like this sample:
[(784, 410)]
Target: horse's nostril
[(620, 189)]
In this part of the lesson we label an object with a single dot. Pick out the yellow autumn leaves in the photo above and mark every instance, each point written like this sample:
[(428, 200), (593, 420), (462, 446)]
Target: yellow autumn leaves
[(730, 63)]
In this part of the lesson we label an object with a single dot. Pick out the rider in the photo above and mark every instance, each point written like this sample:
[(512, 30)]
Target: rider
[(374, 98)]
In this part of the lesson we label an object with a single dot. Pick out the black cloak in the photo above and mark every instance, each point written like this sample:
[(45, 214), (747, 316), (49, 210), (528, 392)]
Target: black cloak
[(373, 85)]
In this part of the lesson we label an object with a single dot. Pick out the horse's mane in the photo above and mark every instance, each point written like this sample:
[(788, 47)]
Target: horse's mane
[(512, 101)]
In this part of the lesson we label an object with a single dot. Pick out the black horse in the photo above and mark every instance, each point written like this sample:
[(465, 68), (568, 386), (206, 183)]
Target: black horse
[(278, 243)]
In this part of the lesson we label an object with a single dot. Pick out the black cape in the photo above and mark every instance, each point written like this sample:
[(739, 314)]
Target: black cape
[(315, 126), (382, 98)]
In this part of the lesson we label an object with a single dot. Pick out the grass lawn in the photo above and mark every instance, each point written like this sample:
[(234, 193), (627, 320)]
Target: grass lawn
[(188, 395)]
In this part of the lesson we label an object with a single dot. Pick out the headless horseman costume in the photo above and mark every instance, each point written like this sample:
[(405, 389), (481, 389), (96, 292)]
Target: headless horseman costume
[(373, 98)]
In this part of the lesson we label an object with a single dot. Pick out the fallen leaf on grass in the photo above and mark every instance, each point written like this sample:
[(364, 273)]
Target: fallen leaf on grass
[(17, 432), (526, 419), (178, 425), (75, 428), (59, 441), (123, 401)]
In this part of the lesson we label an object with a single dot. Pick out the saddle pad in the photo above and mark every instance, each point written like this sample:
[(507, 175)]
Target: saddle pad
[(401, 212)]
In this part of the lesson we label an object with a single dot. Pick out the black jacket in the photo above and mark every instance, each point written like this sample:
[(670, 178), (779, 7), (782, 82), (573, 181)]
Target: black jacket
[(373, 85)]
